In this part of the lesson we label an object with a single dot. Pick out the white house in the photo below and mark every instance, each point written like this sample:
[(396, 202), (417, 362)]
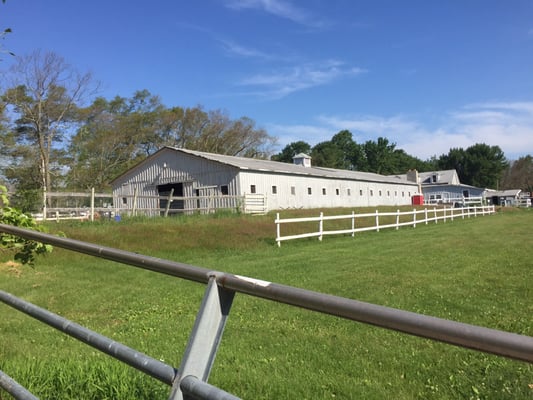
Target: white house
[(444, 187), (195, 175)]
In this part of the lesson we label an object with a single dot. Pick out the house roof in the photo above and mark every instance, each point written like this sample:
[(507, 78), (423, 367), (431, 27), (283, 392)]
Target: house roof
[(444, 177), (254, 164)]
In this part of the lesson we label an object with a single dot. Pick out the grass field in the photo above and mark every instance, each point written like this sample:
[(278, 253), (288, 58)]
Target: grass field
[(477, 270)]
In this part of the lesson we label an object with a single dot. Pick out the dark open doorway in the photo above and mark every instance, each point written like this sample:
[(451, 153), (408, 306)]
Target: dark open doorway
[(164, 191)]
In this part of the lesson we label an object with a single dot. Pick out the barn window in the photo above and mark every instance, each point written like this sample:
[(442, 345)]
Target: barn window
[(403, 194), (309, 191), (252, 189), (388, 193), (224, 189), (293, 190), (371, 192), (360, 192), (348, 192), (337, 192), (395, 193), (124, 200), (274, 189), (380, 193), (324, 191)]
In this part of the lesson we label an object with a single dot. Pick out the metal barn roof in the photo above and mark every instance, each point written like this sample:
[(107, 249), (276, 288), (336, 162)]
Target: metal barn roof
[(254, 164)]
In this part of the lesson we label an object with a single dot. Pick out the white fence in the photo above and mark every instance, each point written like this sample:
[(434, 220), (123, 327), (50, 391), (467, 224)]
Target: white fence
[(402, 218), (91, 205)]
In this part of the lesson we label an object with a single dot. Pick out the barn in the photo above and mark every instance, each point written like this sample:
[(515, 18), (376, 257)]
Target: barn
[(199, 176)]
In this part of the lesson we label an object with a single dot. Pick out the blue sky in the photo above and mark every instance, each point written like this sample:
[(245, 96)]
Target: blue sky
[(427, 75)]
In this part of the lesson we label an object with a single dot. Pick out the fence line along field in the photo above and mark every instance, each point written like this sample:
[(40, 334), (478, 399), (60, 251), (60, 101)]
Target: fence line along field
[(474, 271)]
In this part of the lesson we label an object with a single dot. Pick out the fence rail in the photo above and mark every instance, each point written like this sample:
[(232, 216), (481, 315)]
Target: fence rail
[(83, 206), (402, 218), (189, 381)]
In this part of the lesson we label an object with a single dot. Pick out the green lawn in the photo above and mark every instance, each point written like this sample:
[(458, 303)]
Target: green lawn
[(476, 270)]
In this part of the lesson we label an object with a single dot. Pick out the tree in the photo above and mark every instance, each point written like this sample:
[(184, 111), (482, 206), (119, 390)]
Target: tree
[(289, 151), (380, 156), (519, 175), (479, 165), (114, 135), (327, 154), (353, 155), (44, 97)]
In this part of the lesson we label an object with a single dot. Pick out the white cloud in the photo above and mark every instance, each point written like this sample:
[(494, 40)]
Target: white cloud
[(279, 8), (507, 125), (242, 51), (284, 82)]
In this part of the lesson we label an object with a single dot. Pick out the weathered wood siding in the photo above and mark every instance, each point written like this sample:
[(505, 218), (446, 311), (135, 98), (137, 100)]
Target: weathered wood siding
[(194, 172)]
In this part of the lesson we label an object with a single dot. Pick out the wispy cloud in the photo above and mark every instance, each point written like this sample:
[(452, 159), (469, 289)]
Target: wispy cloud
[(239, 50), (507, 125), (284, 82), (279, 8)]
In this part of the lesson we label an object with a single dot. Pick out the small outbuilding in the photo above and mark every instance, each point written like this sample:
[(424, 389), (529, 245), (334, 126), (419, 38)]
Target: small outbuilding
[(197, 176)]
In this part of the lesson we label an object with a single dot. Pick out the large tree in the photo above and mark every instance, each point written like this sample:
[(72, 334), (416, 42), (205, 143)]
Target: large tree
[(519, 175), (289, 151), (479, 165), (116, 134), (43, 96)]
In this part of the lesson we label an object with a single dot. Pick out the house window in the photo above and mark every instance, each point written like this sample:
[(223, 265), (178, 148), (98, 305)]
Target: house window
[(224, 189), (252, 189), (360, 192), (324, 191), (274, 189), (124, 200), (309, 191), (337, 192), (293, 190), (348, 192)]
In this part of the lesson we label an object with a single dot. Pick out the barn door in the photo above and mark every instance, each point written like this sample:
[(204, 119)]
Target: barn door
[(164, 192)]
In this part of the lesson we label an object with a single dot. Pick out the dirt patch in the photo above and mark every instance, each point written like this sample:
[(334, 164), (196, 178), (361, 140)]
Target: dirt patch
[(11, 267)]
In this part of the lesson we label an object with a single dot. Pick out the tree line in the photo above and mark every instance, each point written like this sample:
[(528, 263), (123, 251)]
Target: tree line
[(51, 140), (479, 165)]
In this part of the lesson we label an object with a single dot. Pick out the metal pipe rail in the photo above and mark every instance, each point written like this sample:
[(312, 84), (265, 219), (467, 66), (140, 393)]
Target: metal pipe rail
[(155, 368), (14, 388), (511, 345)]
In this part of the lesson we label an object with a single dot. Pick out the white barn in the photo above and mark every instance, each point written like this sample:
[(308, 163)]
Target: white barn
[(194, 174)]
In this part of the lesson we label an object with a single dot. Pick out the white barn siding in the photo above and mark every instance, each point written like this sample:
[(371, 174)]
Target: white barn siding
[(284, 185), (311, 192)]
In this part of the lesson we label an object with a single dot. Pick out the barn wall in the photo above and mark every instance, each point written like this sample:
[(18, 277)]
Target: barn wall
[(168, 167), (292, 191)]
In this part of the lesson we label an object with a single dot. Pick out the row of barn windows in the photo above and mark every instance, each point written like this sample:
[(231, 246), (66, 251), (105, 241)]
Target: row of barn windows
[(253, 190)]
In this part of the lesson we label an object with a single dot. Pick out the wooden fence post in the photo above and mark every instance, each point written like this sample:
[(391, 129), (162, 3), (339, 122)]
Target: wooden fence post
[(414, 217), (320, 226), (169, 201), (353, 223), (397, 219), (92, 204), (278, 230), (377, 220)]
